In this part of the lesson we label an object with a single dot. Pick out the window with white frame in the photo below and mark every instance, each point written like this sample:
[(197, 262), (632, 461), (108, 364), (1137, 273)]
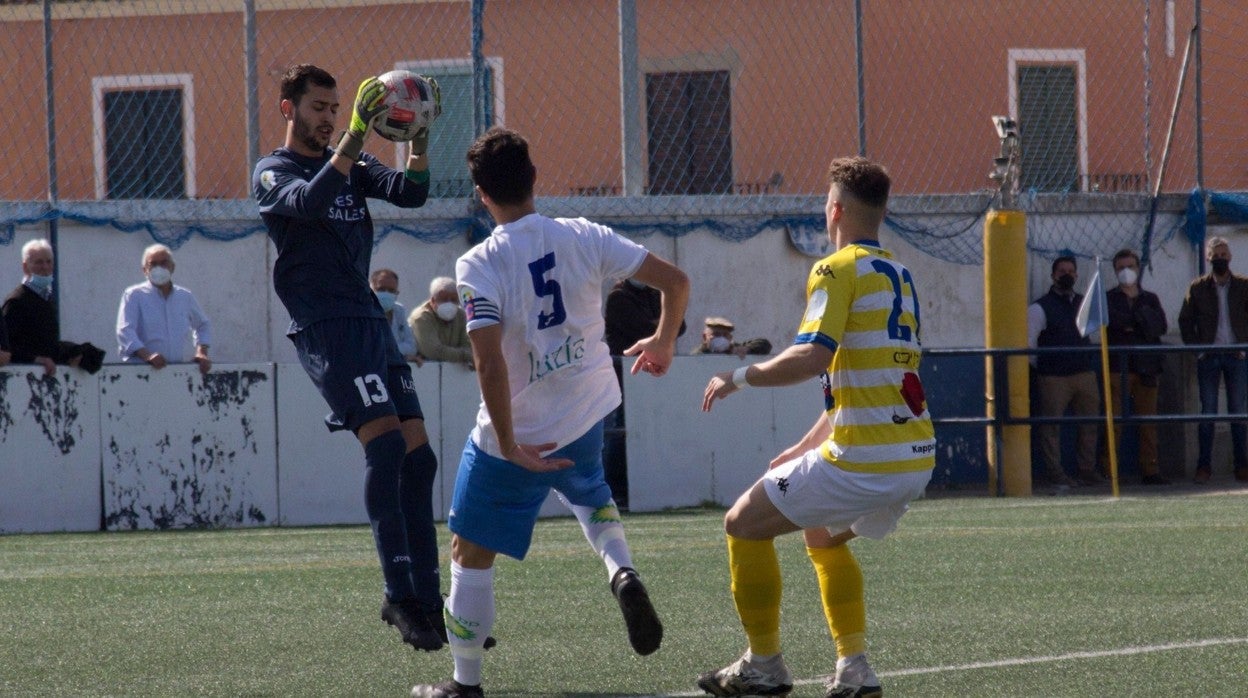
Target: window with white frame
[(1048, 100), (454, 130), (143, 137)]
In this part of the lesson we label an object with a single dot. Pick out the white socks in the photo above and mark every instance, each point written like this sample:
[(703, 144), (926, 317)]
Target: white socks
[(605, 533), (471, 609)]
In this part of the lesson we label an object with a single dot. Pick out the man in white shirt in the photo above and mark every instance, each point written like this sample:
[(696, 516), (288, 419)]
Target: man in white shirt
[(532, 293), (156, 318)]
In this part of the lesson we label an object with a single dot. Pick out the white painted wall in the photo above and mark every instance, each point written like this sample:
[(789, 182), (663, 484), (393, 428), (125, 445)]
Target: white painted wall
[(246, 445)]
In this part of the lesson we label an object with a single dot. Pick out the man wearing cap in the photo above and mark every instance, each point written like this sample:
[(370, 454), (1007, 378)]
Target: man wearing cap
[(717, 339)]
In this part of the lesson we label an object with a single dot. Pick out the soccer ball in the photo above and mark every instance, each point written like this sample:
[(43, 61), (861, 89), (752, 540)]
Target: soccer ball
[(412, 106)]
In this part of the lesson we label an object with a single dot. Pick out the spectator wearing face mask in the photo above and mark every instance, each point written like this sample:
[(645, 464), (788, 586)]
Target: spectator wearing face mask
[(158, 322), (1064, 379), (1215, 311), (1135, 318), (717, 339), (440, 326), (30, 316), (385, 285)]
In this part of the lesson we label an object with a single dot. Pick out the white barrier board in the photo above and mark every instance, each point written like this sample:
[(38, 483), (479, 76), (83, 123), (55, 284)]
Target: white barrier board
[(679, 456), (461, 398), (184, 450), (321, 473), (49, 451)]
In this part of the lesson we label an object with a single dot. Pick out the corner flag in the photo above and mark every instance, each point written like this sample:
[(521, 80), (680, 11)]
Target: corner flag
[(1092, 312), (1094, 315)]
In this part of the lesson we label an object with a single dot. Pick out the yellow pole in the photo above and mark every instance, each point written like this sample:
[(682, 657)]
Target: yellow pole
[(1109, 415), (1005, 327)]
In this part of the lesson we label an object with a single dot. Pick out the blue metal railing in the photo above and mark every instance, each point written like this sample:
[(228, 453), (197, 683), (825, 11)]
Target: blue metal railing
[(1001, 374)]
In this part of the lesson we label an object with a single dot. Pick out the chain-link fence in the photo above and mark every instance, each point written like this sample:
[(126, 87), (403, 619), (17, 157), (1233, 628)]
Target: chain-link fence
[(663, 115)]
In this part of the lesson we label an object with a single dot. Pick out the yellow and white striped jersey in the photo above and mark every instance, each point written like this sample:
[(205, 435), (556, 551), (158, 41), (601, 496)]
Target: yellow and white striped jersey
[(862, 304)]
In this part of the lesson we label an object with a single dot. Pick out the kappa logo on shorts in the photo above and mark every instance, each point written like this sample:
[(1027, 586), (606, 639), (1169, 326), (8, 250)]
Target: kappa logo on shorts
[(782, 483)]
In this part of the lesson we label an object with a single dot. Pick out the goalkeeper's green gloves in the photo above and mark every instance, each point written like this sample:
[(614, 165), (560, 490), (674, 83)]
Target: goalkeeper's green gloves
[(370, 104), (420, 142)]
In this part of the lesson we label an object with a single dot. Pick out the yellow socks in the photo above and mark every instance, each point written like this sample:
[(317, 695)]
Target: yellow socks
[(840, 584), (756, 590)]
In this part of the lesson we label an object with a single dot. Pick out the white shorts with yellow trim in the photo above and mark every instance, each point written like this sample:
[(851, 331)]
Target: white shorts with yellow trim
[(812, 492)]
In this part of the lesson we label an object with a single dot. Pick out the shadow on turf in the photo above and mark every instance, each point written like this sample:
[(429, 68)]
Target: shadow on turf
[(519, 694)]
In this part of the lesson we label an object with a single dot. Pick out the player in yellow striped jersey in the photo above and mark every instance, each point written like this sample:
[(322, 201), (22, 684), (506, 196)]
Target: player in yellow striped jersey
[(853, 474)]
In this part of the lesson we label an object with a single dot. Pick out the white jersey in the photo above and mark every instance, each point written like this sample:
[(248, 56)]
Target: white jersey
[(542, 279)]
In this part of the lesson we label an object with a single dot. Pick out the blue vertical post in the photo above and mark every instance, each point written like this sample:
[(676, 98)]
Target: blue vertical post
[(630, 99), (1200, 125), (251, 103), (861, 70), (251, 99), (479, 75), (49, 90)]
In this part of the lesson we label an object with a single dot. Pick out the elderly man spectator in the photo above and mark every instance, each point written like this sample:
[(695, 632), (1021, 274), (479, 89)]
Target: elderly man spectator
[(30, 316), (156, 319), (385, 285), (717, 339), (1215, 311), (440, 326)]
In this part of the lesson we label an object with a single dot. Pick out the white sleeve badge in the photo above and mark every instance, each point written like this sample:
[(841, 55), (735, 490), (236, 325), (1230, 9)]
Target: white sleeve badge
[(268, 179), (818, 303)]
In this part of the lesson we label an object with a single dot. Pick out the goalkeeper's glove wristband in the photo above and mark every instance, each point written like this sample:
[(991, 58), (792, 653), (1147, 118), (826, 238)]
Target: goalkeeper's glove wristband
[(357, 127), (350, 145), (419, 144), (417, 176)]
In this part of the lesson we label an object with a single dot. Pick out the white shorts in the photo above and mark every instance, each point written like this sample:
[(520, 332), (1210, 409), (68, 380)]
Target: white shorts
[(812, 492)]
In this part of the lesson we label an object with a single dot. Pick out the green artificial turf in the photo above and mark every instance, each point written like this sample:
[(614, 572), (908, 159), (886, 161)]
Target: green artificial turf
[(969, 597)]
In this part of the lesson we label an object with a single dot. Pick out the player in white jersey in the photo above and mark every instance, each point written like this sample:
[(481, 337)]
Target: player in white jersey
[(869, 453), (533, 296)]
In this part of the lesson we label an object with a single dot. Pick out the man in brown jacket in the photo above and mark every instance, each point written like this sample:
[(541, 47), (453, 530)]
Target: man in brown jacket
[(1215, 311)]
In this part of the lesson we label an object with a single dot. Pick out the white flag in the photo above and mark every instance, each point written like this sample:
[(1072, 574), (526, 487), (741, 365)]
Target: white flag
[(1092, 311)]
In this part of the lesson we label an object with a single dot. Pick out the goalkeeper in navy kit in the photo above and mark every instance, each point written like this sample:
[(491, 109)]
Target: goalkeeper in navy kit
[(313, 201)]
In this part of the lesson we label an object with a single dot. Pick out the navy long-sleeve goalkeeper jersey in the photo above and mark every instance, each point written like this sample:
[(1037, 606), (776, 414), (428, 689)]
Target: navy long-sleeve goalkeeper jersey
[(319, 221)]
